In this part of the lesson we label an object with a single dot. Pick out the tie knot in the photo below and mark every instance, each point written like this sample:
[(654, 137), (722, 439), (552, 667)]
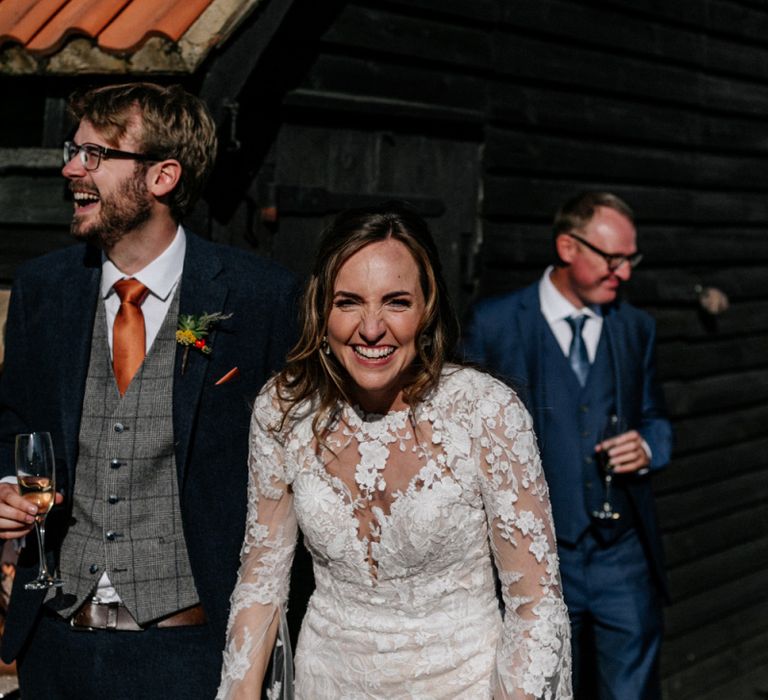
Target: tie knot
[(577, 323), (131, 291)]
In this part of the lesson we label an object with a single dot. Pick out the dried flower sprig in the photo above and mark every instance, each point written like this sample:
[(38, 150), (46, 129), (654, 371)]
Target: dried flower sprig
[(192, 331)]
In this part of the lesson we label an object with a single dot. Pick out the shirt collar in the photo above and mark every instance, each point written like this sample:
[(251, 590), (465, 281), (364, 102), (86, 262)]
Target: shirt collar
[(160, 276), (555, 307)]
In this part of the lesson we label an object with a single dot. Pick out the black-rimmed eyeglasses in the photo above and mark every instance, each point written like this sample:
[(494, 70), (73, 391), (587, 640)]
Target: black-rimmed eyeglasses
[(91, 154), (614, 260)]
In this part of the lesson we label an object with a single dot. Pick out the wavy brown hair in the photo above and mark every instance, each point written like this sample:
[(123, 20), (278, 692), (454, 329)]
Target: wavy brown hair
[(169, 122), (311, 374)]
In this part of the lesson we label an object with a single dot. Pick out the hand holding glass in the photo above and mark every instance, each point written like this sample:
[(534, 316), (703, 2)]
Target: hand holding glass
[(614, 425), (35, 470)]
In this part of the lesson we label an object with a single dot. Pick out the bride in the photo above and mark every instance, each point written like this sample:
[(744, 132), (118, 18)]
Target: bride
[(410, 479)]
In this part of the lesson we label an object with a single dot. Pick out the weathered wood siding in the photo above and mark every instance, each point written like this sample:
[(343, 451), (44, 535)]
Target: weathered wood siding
[(665, 104)]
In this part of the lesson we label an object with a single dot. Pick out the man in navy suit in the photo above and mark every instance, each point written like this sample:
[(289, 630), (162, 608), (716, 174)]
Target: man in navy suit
[(139, 350), (580, 357)]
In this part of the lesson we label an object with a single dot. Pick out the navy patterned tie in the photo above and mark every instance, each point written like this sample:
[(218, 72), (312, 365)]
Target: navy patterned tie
[(577, 355)]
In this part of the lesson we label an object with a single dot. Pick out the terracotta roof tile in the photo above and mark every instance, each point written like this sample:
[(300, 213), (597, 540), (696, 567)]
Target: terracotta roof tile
[(142, 18), (80, 17), (20, 20), (114, 36), (118, 25)]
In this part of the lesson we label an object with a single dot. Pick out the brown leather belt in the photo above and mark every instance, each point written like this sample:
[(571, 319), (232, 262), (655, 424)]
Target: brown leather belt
[(115, 616)]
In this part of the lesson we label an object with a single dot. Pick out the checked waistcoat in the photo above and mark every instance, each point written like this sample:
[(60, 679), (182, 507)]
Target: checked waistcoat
[(126, 515)]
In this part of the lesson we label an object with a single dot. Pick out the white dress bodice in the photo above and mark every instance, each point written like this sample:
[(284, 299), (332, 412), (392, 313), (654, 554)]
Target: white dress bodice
[(405, 516)]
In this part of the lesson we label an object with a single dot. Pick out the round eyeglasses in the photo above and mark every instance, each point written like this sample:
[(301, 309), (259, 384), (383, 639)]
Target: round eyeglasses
[(614, 260), (92, 154)]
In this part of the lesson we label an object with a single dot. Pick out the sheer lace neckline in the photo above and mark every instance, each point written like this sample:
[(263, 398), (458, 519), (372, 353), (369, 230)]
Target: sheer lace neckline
[(358, 418)]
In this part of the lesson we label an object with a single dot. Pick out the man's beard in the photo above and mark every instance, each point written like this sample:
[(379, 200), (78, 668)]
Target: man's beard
[(120, 213)]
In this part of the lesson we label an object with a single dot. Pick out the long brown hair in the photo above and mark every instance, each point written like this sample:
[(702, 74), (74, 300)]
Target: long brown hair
[(310, 373)]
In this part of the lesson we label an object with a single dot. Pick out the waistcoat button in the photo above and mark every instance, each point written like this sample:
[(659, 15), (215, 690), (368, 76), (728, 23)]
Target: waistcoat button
[(93, 568), (112, 499), (111, 535), (115, 463), (119, 427)]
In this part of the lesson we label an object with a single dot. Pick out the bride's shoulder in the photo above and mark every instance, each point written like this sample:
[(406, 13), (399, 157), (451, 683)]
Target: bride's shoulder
[(273, 408), (470, 383)]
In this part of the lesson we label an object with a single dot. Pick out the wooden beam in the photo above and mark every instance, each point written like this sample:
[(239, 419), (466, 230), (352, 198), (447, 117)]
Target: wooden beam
[(229, 70)]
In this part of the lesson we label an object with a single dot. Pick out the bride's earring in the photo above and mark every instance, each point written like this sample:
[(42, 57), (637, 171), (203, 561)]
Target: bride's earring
[(324, 345)]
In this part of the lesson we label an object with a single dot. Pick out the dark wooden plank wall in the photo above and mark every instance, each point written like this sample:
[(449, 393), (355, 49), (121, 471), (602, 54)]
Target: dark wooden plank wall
[(666, 105)]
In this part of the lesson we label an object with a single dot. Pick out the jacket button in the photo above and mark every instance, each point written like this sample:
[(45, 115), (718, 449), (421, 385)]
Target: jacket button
[(588, 460), (112, 499), (119, 427), (111, 535), (93, 568), (115, 463)]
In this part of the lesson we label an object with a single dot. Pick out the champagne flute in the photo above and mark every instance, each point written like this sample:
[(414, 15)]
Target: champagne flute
[(35, 470), (614, 425)]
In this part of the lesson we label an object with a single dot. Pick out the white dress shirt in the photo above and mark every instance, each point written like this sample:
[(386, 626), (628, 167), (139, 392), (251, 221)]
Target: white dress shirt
[(556, 308), (160, 277)]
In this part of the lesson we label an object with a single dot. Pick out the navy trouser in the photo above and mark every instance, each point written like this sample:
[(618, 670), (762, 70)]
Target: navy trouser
[(609, 589), (61, 663)]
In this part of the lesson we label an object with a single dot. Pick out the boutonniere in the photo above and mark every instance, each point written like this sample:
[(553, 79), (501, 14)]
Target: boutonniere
[(192, 331)]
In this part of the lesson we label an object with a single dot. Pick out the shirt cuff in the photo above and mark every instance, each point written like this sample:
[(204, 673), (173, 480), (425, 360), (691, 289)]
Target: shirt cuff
[(647, 448)]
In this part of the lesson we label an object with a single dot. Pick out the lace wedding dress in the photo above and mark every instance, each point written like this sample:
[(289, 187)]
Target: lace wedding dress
[(405, 515)]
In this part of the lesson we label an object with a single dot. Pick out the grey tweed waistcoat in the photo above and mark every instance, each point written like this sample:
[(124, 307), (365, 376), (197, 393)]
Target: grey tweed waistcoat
[(126, 513)]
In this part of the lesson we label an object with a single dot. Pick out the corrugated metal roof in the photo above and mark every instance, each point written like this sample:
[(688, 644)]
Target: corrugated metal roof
[(105, 36)]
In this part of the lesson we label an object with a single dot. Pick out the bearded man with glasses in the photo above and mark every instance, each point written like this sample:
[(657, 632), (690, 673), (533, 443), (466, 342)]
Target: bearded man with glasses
[(140, 350), (580, 355)]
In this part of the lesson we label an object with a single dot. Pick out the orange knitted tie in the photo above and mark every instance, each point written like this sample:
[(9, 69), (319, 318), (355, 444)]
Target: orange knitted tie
[(128, 334)]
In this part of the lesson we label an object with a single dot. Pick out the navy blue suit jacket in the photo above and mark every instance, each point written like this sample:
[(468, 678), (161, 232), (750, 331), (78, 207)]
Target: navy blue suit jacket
[(505, 335), (49, 331)]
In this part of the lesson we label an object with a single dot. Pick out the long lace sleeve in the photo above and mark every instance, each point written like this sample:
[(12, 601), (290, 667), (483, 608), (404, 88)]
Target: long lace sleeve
[(262, 584), (533, 659)]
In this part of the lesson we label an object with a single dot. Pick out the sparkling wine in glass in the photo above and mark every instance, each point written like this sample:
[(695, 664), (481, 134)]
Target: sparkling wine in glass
[(614, 425), (35, 471)]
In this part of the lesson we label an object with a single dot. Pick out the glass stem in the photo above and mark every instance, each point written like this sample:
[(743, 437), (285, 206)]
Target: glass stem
[(40, 530)]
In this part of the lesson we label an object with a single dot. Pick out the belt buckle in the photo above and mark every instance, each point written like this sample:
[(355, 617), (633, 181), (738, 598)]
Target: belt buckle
[(111, 624), (79, 628)]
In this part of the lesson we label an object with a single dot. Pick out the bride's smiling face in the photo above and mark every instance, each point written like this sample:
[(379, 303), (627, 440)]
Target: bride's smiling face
[(378, 306)]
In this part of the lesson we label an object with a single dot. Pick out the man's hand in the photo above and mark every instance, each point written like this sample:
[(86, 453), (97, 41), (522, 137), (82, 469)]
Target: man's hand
[(17, 514), (626, 452)]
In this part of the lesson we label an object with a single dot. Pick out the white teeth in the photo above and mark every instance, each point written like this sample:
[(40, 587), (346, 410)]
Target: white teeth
[(85, 197), (373, 353)]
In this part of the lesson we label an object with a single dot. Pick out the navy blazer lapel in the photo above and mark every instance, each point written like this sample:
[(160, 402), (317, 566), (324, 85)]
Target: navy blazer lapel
[(201, 292), (617, 347), (79, 297)]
